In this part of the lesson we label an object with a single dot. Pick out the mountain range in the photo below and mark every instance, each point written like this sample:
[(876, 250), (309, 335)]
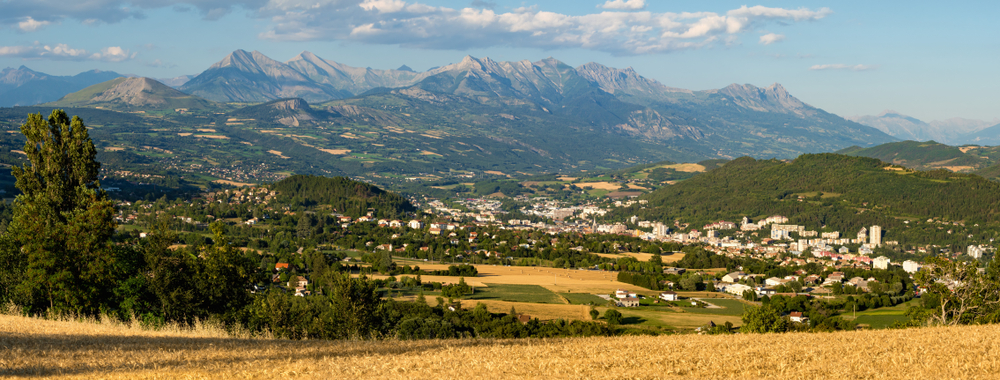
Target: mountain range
[(477, 114), (24, 87), (954, 131)]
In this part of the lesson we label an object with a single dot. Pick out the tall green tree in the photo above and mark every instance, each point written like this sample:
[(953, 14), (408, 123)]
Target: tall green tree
[(63, 221)]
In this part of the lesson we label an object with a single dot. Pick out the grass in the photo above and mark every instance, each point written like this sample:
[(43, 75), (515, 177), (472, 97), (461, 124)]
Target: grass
[(583, 299), (729, 307), (882, 317), (516, 293), (63, 349)]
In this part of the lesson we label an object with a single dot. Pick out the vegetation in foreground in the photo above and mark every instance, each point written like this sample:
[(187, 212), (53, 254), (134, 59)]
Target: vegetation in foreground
[(87, 350)]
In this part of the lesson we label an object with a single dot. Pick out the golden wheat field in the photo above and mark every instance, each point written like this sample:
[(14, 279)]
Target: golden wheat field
[(554, 279), (41, 348)]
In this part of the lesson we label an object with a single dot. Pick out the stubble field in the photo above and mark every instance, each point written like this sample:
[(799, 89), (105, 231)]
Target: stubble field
[(40, 348)]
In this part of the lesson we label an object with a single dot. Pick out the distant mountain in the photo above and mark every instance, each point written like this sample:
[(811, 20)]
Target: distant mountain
[(175, 82), (347, 81), (986, 136), (25, 87), (954, 131), (132, 94), (255, 78)]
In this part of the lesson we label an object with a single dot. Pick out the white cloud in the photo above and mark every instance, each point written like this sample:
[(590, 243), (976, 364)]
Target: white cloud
[(841, 66), (30, 25), (622, 33), (624, 4), (65, 52), (414, 24), (771, 38)]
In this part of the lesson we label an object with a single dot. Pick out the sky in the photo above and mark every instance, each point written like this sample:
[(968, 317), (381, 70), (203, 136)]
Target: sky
[(929, 60)]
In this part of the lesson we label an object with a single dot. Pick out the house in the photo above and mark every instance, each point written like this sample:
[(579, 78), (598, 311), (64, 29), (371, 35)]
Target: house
[(766, 292), (628, 302), (668, 296), (415, 224), (737, 289), (677, 271), (395, 224), (302, 281), (797, 317), (622, 293), (773, 281), (435, 231), (733, 277), (280, 266), (524, 319)]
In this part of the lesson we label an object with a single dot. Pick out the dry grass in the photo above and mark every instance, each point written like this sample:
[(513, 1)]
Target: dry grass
[(599, 185), (556, 280), (34, 348)]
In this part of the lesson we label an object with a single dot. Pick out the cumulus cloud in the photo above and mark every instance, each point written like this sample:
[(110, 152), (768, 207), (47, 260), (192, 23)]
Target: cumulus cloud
[(841, 66), (398, 22), (419, 25), (30, 25), (771, 38), (624, 4), (67, 53)]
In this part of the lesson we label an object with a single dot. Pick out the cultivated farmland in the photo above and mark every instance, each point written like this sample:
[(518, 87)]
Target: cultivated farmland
[(34, 348)]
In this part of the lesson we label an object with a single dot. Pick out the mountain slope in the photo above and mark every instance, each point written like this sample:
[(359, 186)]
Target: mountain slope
[(253, 77), (347, 80), (954, 131), (293, 112), (25, 87), (132, 94)]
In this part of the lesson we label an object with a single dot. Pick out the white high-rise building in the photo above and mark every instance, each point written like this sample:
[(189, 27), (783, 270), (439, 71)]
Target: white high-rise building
[(911, 266), (975, 252), (881, 262), (876, 236)]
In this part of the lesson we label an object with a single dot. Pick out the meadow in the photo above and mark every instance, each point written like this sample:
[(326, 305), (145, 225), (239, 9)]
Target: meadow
[(69, 349)]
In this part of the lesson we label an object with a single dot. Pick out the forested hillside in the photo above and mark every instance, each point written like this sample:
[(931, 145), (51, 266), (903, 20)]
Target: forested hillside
[(835, 192), (346, 196)]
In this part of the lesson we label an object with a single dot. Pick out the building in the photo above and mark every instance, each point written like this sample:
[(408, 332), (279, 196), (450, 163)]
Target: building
[(737, 289), (876, 236), (416, 224), (797, 317), (880, 262), (668, 296), (862, 235), (733, 277), (911, 266), (629, 302), (975, 252)]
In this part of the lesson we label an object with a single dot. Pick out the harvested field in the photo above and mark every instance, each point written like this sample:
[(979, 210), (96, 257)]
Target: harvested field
[(556, 280), (221, 137), (688, 168), (232, 183), (114, 149), (277, 153), (336, 151), (599, 185), (40, 348), (643, 256)]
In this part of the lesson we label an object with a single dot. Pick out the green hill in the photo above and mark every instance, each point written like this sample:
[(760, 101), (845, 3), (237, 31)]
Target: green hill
[(133, 94), (837, 192), (344, 195), (927, 155)]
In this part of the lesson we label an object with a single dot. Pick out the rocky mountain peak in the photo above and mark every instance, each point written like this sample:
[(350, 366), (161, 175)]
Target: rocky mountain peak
[(770, 99)]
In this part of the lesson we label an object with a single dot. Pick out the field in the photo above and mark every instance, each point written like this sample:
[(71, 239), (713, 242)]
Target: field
[(40, 348), (882, 317)]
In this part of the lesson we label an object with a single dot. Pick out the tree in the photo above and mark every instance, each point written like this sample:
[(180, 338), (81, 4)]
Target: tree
[(764, 319), (594, 314), (63, 221), (958, 294), (613, 316)]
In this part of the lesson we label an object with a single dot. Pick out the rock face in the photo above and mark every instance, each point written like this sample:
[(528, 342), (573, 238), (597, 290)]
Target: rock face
[(132, 93), (253, 77), (770, 99)]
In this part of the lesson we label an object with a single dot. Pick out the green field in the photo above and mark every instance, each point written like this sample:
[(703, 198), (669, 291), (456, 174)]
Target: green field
[(583, 299), (730, 307), (516, 293), (883, 317)]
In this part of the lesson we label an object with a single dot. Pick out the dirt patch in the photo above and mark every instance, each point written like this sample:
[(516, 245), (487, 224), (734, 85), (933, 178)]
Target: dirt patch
[(687, 168), (966, 149), (233, 183), (207, 130), (495, 172), (599, 185), (338, 152), (185, 134), (220, 137), (429, 153), (277, 153), (959, 168)]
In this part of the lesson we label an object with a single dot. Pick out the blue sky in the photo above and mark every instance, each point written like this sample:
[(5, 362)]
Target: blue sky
[(923, 59)]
